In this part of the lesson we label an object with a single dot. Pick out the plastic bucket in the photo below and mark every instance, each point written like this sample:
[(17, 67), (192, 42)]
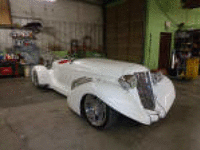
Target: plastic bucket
[(27, 71)]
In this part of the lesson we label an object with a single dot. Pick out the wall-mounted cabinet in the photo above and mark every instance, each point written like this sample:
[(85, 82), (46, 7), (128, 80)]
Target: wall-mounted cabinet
[(190, 4)]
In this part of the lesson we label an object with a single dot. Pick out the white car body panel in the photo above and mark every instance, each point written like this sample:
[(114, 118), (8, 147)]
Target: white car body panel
[(104, 75)]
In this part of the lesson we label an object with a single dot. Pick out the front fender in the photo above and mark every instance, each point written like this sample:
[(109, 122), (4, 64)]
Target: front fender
[(43, 74), (165, 93), (126, 102)]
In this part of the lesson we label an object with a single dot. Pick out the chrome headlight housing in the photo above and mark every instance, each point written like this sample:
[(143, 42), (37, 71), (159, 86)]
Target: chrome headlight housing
[(156, 77), (128, 81)]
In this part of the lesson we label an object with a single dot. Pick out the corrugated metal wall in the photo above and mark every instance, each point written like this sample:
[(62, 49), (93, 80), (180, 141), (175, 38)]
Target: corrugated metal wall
[(63, 21)]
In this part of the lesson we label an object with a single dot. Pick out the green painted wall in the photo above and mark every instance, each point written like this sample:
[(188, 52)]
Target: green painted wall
[(159, 11)]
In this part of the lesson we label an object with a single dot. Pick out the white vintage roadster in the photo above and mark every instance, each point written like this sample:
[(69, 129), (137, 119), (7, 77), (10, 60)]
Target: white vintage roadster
[(99, 89)]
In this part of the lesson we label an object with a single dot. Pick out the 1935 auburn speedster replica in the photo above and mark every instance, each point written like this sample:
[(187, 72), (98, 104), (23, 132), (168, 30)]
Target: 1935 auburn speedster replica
[(99, 89)]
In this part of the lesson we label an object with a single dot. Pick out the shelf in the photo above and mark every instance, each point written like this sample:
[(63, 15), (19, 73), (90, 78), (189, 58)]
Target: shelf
[(28, 38), (13, 27)]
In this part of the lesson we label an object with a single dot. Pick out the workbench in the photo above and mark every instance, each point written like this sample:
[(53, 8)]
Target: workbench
[(11, 67)]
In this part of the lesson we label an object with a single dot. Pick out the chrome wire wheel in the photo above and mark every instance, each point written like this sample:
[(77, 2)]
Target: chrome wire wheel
[(95, 111)]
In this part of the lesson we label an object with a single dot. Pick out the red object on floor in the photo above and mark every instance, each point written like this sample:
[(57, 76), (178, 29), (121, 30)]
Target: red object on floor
[(6, 71)]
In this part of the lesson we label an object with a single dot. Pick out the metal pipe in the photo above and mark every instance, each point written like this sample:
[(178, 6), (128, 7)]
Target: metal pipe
[(173, 60)]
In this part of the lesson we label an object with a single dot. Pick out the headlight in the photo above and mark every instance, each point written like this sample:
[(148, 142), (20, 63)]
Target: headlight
[(128, 81), (156, 77)]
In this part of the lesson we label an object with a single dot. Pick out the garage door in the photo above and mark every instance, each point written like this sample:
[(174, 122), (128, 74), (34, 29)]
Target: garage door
[(124, 30)]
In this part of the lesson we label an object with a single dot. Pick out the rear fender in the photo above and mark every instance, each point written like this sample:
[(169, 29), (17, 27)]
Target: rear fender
[(43, 74), (125, 102)]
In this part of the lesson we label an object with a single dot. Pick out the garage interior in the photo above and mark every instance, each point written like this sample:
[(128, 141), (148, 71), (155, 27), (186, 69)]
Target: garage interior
[(161, 35)]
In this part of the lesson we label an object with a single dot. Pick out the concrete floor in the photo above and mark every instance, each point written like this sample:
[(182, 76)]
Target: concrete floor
[(33, 119)]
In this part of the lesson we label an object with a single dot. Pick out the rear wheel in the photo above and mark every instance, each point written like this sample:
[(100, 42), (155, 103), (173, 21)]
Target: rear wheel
[(35, 81), (97, 113)]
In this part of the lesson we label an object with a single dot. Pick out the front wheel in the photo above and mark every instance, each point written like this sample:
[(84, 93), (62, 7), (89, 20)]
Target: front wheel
[(97, 113)]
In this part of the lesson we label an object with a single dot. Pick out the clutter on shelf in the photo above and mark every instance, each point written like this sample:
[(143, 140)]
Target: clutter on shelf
[(24, 53)]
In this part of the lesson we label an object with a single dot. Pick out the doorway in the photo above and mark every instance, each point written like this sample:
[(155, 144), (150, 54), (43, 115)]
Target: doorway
[(165, 46)]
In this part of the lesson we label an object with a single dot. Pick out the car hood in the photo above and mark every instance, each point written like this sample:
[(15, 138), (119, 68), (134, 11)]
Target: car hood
[(109, 67)]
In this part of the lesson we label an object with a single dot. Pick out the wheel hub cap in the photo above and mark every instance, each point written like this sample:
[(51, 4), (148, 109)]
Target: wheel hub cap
[(95, 111)]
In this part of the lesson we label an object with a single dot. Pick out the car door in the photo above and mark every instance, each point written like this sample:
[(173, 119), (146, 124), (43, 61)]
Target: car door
[(66, 75), (70, 73), (73, 72), (60, 76)]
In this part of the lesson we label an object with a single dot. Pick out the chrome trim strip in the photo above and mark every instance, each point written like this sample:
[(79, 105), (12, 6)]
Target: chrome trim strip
[(145, 90), (80, 81)]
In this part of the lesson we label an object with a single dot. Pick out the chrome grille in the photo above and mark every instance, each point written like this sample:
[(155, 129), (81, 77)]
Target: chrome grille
[(145, 90)]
